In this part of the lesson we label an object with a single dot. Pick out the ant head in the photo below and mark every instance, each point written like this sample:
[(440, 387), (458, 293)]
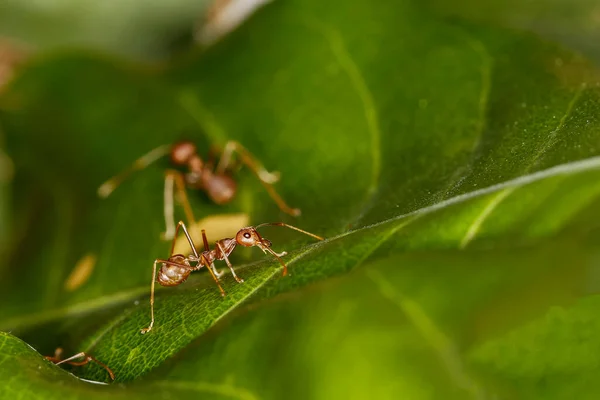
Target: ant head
[(182, 151), (249, 237)]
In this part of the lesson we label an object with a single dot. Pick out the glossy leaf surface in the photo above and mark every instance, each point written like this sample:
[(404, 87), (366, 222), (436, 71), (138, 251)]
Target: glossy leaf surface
[(446, 163)]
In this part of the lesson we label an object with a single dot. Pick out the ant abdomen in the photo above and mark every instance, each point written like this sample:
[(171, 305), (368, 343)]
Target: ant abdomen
[(173, 275), (220, 188)]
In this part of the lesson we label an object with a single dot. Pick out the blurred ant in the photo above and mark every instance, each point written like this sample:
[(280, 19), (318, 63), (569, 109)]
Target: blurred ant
[(216, 182), (176, 269), (57, 360)]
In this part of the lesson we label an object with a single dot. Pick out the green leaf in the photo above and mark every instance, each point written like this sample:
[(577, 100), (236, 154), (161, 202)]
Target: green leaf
[(403, 326), (394, 144), (26, 374), (389, 331), (564, 21), (136, 29), (552, 357)]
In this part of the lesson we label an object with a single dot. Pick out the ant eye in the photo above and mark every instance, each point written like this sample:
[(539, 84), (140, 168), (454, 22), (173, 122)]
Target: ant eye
[(247, 235)]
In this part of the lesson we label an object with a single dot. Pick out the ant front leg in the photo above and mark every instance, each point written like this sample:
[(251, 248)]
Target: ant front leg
[(239, 280), (174, 180), (278, 257), (266, 178)]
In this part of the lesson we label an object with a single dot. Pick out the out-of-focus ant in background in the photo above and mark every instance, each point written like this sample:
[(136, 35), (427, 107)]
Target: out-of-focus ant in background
[(217, 182)]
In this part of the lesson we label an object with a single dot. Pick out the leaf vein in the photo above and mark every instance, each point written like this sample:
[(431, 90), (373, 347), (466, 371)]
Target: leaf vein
[(485, 213), (445, 348), (561, 123), (350, 67), (486, 84), (496, 200), (570, 168)]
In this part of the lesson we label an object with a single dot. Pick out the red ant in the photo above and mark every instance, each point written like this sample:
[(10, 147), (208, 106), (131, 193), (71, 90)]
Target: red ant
[(57, 359), (216, 182), (176, 269)]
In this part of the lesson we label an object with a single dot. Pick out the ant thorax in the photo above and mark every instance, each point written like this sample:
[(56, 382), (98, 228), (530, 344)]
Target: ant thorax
[(223, 248)]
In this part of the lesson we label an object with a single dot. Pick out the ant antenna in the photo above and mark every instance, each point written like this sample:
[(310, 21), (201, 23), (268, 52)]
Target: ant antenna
[(291, 227), (278, 256), (153, 155)]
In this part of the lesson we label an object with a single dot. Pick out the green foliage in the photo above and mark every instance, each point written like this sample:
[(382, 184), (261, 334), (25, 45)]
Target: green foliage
[(573, 24), (141, 29), (453, 168)]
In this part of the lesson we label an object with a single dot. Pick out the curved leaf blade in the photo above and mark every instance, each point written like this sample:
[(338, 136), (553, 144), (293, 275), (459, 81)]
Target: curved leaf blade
[(403, 136)]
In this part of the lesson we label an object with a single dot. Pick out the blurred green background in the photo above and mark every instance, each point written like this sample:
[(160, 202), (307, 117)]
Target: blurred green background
[(448, 151)]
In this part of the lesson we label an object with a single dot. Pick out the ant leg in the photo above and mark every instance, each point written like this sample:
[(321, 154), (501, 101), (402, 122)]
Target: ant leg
[(256, 167), (207, 248), (57, 359), (201, 259), (217, 273), (149, 328), (265, 177), (87, 359), (205, 241), (181, 225), (239, 280), (213, 273), (175, 177), (110, 185), (267, 248), (168, 211), (168, 262), (277, 256)]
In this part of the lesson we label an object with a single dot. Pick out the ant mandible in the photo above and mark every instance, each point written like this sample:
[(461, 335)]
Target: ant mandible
[(57, 360), (216, 182), (176, 269)]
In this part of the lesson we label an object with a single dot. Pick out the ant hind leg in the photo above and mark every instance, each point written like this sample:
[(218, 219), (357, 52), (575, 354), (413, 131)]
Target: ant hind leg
[(110, 185), (265, 177)]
